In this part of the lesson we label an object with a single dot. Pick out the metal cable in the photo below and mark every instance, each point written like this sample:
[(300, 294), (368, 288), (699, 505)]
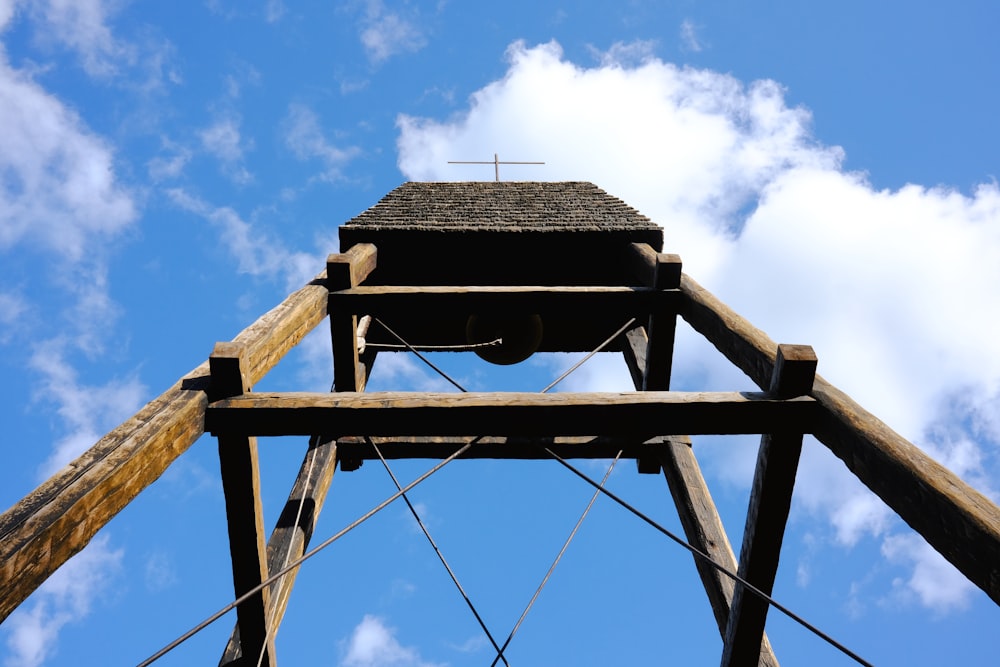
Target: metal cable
[(708, 560), (552, 567), (440, 556), (589, 355), (420, 356), (277, 575)]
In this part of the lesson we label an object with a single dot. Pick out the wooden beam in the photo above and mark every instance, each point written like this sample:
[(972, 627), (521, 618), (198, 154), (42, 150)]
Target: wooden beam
[(353, 448), (767, 514), (654, 269), (293, 532), (697, 511), (641, 414), (58, 519), (244, 514), (344, 271), (958, 521), (665, 273), (395, 303)]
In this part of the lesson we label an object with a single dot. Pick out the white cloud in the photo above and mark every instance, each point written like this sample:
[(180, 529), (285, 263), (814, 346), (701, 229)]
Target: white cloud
[(222, 140), (12, 308), (59, 189), (373, 644), (275, 10), (306, 139), (256, 253), (81, 25), (689, 36), (892, 288), (386, 33), (934, 581), (87, 411), (66, 597)]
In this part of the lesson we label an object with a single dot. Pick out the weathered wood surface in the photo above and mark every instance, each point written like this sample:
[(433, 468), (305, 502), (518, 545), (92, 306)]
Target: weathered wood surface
[(430, 302), (958, 521), (654, 269), (767, 513), (697, 511), (291, 536), (240, 471), (641, 414), (344, 271), (58, 519)]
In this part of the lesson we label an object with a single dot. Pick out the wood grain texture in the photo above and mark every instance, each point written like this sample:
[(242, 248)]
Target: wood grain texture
[(642, 414), (58, 519), (697, 511), (958, 521), (767, 513)]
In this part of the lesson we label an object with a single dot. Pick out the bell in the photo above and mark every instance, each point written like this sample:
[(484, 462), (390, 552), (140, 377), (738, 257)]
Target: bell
[(519, 336)]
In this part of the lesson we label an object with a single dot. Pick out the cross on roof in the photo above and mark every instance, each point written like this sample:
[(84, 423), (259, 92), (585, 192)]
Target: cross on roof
[(495, 162)]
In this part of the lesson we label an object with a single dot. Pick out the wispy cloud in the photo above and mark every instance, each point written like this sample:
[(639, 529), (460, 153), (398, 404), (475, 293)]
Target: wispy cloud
[(305, 138), (689, 37), (256, 253), (222, 140), (764, 214), (386, 33), (66, 597), (373, 644)]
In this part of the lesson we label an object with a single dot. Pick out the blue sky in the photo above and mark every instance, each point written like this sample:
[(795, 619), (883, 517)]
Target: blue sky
[(169, 173)]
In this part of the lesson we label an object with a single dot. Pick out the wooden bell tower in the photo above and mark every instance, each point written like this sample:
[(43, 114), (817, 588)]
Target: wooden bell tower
[(502, 270)]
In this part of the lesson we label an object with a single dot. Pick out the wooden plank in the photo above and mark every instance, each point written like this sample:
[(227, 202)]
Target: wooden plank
[(294, 529), (240, 470), (353, 448), (958, 521), (697, 511), (641, 414), (344, 271), (395, 303), (58, 519), (767, 514)]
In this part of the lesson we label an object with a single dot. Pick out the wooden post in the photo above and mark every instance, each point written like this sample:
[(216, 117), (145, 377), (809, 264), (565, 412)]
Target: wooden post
[(290, 538), (770, 501), (696, 510), (958, 521), (59, 518), (245, 517), (345, 271)]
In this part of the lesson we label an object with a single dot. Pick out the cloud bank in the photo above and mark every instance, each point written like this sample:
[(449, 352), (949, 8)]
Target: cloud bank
[(890, 287)]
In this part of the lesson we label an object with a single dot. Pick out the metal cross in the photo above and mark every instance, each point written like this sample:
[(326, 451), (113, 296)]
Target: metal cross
[(496, 164)]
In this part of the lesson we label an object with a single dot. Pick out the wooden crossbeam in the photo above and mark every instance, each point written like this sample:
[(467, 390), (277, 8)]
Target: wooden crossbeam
[(962, 524), (697, 511), (59, 518), (659, 271), (406, 413), (400, 302), (357, 449), (770, 501), (244, 513)]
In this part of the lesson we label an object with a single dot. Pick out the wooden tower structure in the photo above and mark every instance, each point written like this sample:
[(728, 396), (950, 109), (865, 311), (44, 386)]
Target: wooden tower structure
[(511, 268)]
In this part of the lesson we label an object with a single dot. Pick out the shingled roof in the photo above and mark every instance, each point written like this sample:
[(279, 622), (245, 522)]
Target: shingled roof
[(526, 219), (571, 206)]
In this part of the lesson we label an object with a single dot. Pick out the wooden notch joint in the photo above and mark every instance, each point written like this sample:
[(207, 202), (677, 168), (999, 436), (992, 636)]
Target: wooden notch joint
[(794, 371), (226, 366), (351, 268), (656, 269)]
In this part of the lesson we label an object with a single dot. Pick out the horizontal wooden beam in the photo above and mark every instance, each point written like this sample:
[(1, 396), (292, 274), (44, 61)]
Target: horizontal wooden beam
[(58, 519), (958, 521), (641, 414), (351, 449), (609, 303)]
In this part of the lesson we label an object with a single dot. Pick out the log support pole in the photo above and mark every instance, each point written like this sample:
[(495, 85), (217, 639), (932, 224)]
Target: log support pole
[(770, 501), (241, 485), (344, 271)]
